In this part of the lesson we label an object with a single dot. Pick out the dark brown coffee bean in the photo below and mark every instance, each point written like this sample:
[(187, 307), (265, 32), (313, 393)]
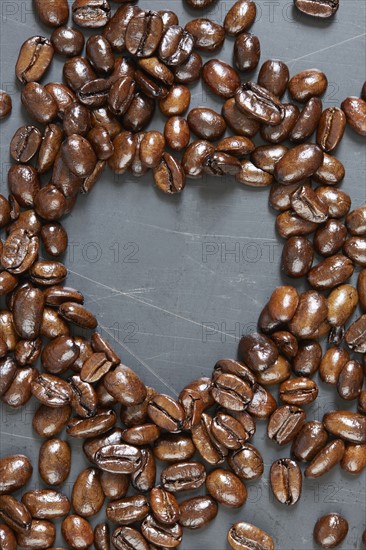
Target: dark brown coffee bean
[(298, 391), (77, 72), (231, 392), (318, 8), (125, 386), (236, 368), (174, 448), (8, 370), (240, 17), (16, 471), (115, 486), (211, 450), (62, 95), (342, 302), (286, 481), (331, 128), (189, 71), (252, 176), (8, 333), (262, 404), (229, 431), (356, 335), (183, 476), (143, 33), (95, 367), (144, 478), (239, 122), (87, 493), (34, 59), (137, 414), (354, 459), (242, 536), (266, 156), (102, 536), (330, 530), (50, 390), (176, 133), (221, 78), (27, 312), (77, 531), (361, 287), (226, 488), (169, 176), (67, 41), (50, 147), (219, 164), (355, 248), (332, 364), (59, 355), (118, 458), (194, 157), (247, 52), (307, 121), (285, 423), (237, 146), (48, 421), (93, 445), (208, 35), (52, 324), (197, 512), (257, 351), (128, 510), (311, 312), (125, 538), (121, 95), (280, 132), (286, 343), (169, 18), (145, 434), (274, 76), (176, 102), (331, 172), (347, 425), (166, 413), (39, 103), (56, 12), (7, 538), (164, 506), (309, 441), (330, 238), (54, 461), (276, 373), (355, 111), (47, 272), (298, 163), (307, 360), (326, 459), (206, 123), (331, 272), (193, 405), (84, 398), (337, 201), (77, 314), (15, 514), (25, 143), (256, 102), (5, 104), (94, 93), (98, 424), (54, 238), (76, 120), (91, 13), (199, 4), (46, 504), (297, 256), (306, 84), (356, 221), (247, 462), (350, 380), (19, 391), (139, 113), (99, 52), (176, 46)]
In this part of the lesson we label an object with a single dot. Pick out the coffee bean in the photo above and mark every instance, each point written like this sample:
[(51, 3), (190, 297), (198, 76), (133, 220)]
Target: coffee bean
[(350, 380), (166, 413), (194, 157), (25, 143), (7, 538), (115, 486), (307, 360), (137, 414), (244, 535), (75, 528), (139, 113), (54, 461), (263, 404), (309, 441), (91, 13), (286, 481), (144, 478), (355, 248), (176, 133), (274, 76), (125, 386), (27, 312), (311, 312), (298, 391), (98, 423), (77, 72), (15, 514), (226, 488), (67, 41), (285, 423), (231, 392), (306, 84), (237, 121), (318, 8), (331, 128), (143, 33), (87, 493), (347, 425), (169, 18), (183, 476), (337, 201), (298, 163), (34, 59), (354, 459), (240, 17), (206, 123), (102, 536), (51, 390), (174, 448), (5, 104), (221, 78), (326, 459), (247, 52), (193, 405), (356, 335), (211, 450), (118, 458), (280, 132), (260, 104), (331, 272), (176, 46), (39, 103), (49, 421), (330, 530), (190, 70), (197, 512), (169, 176), (208, 35), (297, 256), (128, 510), (355, 111), (15, 470), (257, 351), (247, 462), (286, 343), (99, 52), (307, 121), (124, 538), (55, 14), (46, 503), (219, 164)]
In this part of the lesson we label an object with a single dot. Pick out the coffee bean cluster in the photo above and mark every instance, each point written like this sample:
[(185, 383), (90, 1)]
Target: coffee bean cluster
[(98, 118)]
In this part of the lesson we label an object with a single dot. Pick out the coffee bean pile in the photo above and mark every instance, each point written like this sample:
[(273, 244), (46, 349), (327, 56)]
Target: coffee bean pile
[(98, 118)]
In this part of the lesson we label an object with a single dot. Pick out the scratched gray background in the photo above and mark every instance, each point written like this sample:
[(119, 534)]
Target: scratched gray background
[(175, 281)]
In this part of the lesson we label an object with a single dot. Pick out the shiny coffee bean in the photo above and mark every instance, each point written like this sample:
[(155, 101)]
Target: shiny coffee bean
[(306, 84), (221, 78), (67, 41), (331, 272), (297, 256), (307, 121), (247, 462), (54, 461), (226, 488), (326, 459), (355, 248), (208, 35), (128, 510), (356, 336), (332, 364), (257, 351), (169, 176), (197, 512), (91, 13), (211, 450), (330, 530), (298, 391), (125, 386), (337, 201), (15, 470), (164, 506), (77, 531), (240, 17), (174, 448), (346, 425), (307, 359), (280, 132), (5, 104), (102, 536), (330, 237), (115, 486), (240, 123), (143, 33), (48, 421), (39, 103), (315, 8), (25, 143), (260, 104), (34, 59), (46, 503), (144, 478), (311, 312), (183, 476), (355, 111), (309, 441), (189, 71), (298, 163), (285, 423), (286, 481), (176, 46), (206, 123), (354, 459), (331, 128), (169, 536), (87, 494), (243, 536), (247, 52), (194, 157), (274, 76)]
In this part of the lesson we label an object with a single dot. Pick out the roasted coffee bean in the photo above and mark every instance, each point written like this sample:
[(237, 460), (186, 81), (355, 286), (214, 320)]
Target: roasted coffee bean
[(8, 370), (219, 164), (54, 461), (356, 335), (226, 488), (5, 104), (77, 314), (309, 441), (7, 329), (285, 423), (99, 52), (95, 367), (78, 155), (56, 13), (228, 431), (280, 132), (98, 424), (331, 128), (183, 476), (342, 302), (318, 8), (176, 133), (125, 537), (240, 17), (239, 122), (247, 52), (47, 272), (49, 148), (283, 303), (221, 78), (46, 504), (355, 111), (260, 104), (208, 35), (115, 486), (77, 531), (57, 295), (197, 512), (286, 481), (19, 391), (206, 123), (52, 324), (176, 102), (39, 103), (347, 425), (257, 351), (164, 506), (169, 18), (330, 530), (15, 514), (354, 459), (128, 510), (91, 13), (7, 538), (65, 181), (87, 494), (94, 93), (84, 399), (91, 446), (286, 343), (194, 157), (306, 84), (356, 221), (276, 373), (137, 414), (143, 33), (139, 113), (76, 120), (193, 405), (144, 478), (48, 421), (59, 355), (121, 94), (252, 176), (330, 237), (50, 203), (361, 288), (350, 380), (331, 272), (247, 462), (337, 201), (298, 391), (176, 46), (332, 364), (231, 392), (331, 171), (297, 256), (118, 458), (242, 536), (189, 71), (266, 156), (274, 76), (125, 386), (100, 345), (124, 150), (141, 435), (166, 413), (27, 312), (102, 536), (51, 390), (174, 448), (67, 41), (298, 163), (34, 59), (25, 143), (237, 146), (15, 470), (326, 459), (169, 176), (54, 238), (77, 71), (355, 248), (311, 312), (27, 352), (211, 450), (307, 359), (307, 121), (262, 404)]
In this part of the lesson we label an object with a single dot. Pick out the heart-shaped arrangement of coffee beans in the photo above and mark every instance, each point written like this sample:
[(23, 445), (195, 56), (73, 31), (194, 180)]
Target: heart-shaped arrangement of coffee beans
[(138, 60)]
